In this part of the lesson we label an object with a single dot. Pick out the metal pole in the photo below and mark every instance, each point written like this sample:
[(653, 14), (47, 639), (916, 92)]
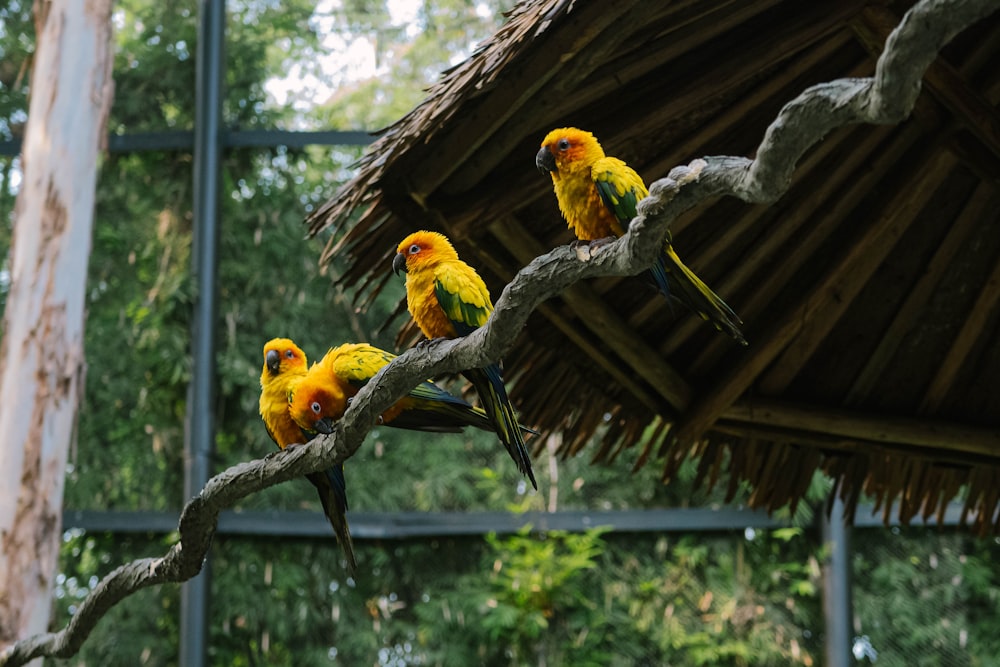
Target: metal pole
[(838, 611), (201, 395)]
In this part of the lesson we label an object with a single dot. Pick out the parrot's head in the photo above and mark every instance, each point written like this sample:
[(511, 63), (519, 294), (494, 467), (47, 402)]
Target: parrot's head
[(421, 250), (315, 406), (566, 151), (281, 356)]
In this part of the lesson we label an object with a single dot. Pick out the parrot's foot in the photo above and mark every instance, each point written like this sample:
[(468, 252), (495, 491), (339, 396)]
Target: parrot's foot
[(600, 243), (430, 341), (586, 250)]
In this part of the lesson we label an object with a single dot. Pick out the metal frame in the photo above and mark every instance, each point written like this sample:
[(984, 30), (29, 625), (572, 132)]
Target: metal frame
[(407, 525), (184, 140)]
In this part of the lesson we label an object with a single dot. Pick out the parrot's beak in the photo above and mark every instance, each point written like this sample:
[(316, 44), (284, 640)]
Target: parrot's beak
[(399, 263), (273, 361), (546, 161), (324, 425)]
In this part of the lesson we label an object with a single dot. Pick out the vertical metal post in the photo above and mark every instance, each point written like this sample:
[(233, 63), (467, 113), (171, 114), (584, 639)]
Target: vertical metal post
[(837, 604), (201, 394)]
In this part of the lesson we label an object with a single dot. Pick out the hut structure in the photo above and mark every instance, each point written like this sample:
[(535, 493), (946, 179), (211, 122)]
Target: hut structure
[(869, 291)]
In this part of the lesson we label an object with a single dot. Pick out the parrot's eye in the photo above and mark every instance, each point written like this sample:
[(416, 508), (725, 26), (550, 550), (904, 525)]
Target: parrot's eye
[(289, 354), (316, 407), (563, 144), (414, 249)]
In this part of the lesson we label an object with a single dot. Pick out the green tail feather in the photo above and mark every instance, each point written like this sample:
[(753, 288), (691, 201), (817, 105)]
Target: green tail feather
[(335, 514), (677, 280), (493, 395)]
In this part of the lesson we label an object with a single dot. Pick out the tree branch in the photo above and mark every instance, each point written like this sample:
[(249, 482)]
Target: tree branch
[(888, 97)]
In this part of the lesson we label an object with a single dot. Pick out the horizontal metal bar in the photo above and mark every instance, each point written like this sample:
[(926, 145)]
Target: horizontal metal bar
[(265, 138), (867, 517), (183, 140), (402, 525)]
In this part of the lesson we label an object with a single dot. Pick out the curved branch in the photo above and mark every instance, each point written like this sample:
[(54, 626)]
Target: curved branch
[(887, 97)]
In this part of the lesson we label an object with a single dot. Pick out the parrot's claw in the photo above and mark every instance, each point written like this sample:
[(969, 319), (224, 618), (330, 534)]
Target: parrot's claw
[(430, 341), (586, 250)]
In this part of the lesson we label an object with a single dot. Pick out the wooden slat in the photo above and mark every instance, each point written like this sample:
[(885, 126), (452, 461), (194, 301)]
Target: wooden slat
[(898, 214), (574, 83), (793, 65), (769, 269), (594, 313), (973, 328), (855, 266), (693, 143), (982, 200), (825, 184), (984, 442), (712, 73), (590, 28)]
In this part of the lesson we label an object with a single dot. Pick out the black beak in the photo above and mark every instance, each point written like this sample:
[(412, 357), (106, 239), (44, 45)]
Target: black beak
[(546, 161), (399, 263), (273, 361), (324, 425)]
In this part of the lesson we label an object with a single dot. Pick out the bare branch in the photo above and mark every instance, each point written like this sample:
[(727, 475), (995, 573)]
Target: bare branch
[(886, 98)]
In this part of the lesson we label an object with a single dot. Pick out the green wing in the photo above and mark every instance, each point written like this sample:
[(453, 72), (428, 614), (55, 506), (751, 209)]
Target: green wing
[(463, 297), (359, 365), (619, 186)]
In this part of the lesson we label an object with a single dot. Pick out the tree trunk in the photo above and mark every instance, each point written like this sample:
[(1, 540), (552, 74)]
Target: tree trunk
[(41, 355)]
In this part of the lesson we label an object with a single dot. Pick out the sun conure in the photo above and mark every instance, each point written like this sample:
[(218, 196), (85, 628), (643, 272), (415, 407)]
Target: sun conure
[(448, 299), (284, 367), (598, 194), (322, 396)]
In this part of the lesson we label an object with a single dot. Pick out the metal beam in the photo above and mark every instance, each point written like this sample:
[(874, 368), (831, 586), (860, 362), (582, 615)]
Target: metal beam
[(183, 140), (838, 611), (405, 525), (200, 432)]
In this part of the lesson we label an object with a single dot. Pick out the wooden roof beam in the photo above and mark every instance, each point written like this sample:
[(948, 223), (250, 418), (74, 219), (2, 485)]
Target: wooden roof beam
[(983, 200), (974, 327), (826, 185), (853, 269), (826, 422), (582, 84), (903, 209), (590, 28), (824, 208)]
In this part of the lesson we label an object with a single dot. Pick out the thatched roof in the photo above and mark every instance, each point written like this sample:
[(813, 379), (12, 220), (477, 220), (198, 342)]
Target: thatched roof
[(869, 291)]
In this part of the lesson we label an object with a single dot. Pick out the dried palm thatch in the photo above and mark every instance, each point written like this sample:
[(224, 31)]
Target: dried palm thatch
[(869, 290)]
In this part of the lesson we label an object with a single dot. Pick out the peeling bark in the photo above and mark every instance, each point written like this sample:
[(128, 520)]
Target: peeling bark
[(41, 356), (886, 98)]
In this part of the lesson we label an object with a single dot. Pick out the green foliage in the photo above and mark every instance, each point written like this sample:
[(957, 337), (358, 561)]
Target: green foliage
[(927, 598), (142, 629)]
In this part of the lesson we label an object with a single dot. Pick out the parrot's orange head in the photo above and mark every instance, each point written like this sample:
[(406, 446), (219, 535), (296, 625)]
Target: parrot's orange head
[(281, 355), (316, 407), (420, 250), (567, 150)]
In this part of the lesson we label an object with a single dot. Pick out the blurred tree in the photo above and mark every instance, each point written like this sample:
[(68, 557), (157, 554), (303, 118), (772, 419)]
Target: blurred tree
[(41, 358)]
